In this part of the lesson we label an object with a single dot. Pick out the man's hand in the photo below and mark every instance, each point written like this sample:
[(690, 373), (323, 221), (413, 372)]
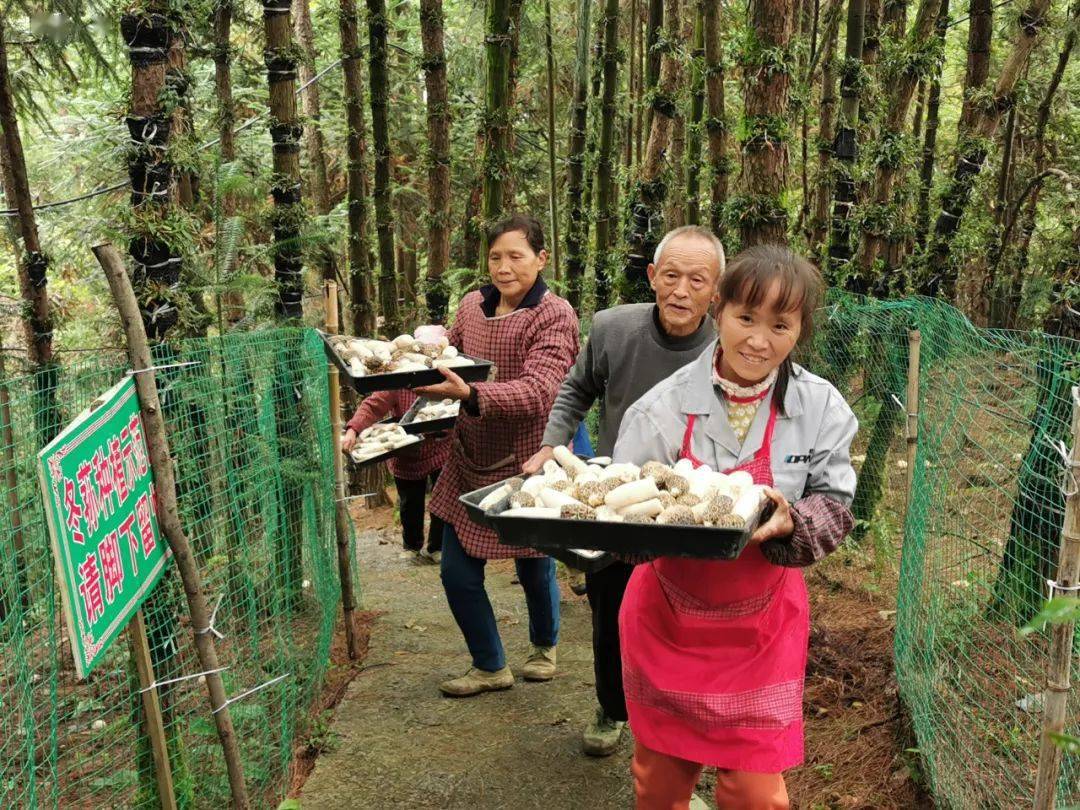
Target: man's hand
[(780, 524), (453, 388), (348, 441), (536, 462)]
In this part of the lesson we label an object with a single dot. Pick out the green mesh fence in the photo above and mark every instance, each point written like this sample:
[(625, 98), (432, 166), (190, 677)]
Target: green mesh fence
[(980, 537), (249, 429), (248, 424)]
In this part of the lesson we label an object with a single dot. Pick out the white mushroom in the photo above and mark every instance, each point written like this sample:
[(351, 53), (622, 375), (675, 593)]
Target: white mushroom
[(649, 508), (534, 484), (631, 493), (568, 461), (553, 472), (531, 511), (556, 499), (749, 503), (605, 512)]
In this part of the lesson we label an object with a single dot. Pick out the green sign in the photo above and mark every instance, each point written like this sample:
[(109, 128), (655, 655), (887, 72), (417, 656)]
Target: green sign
[(102, 510)]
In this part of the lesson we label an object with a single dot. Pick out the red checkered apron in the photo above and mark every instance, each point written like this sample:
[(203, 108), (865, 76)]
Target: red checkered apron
[(532, 349), (714, 652)]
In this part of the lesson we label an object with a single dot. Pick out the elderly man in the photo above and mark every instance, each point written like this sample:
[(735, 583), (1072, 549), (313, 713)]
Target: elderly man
[(630, 349)]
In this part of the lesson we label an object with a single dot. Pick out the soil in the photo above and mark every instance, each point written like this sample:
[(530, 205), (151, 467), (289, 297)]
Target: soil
[(396, 742)]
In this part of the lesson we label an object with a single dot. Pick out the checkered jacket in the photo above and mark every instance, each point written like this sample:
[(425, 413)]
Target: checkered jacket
[(532, 349), (414, 463)]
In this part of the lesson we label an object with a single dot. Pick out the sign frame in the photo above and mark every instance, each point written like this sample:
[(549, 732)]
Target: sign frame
[(88, 645)]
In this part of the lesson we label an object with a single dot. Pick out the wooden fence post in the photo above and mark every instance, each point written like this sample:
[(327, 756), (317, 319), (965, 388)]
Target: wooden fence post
[(155, 729), (168, 517), (911, 431), (342, 521), (1061, 636)]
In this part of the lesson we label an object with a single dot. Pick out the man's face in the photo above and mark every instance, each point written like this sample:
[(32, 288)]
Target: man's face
[(685, 283)]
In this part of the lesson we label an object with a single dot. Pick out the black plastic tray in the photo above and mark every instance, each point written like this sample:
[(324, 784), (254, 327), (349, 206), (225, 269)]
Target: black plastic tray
[(471, 502), (575, 559), (548, 535), (430, 426), (367, 462), (570, 556), (478, 372)]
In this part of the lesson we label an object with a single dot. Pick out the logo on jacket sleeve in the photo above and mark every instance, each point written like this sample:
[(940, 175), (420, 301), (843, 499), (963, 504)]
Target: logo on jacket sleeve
[(803, 458)]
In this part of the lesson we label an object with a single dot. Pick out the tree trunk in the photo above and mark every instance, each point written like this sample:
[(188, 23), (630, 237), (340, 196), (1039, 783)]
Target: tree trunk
[(871, 39), (980, 34), (675, 199), (894, 19), (715, 126), (638, 89), (361, 289), (929, 149), (223, 12), (553, 184), (314, 143), (33, 268), (901, 83), (384, 218), (496, 161), (438, 131), (654, 26), (941, 271), (285, 132), (846, 151), (819, 223), (697, 110), (646, 217), (178, 81), (156, 262), (517, 8), (576, 212), (1009, 297), (631, 83), (1038, 509), (766, 81), (605, 175), (232, 300)]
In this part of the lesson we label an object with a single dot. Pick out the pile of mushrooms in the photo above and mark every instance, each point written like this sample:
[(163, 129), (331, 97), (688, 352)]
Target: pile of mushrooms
[(366, 356), (442, 409), (655, 493), (380, 438)]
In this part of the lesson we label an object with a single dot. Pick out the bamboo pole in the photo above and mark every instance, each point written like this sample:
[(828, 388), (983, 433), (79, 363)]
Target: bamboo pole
[(912, 398), (1061, 637), (553, 201), (168, 517), (11, 484), (341, 512), (155, 728)]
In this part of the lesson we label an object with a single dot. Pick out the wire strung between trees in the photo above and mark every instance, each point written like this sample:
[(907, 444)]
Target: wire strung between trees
[(11, 212)]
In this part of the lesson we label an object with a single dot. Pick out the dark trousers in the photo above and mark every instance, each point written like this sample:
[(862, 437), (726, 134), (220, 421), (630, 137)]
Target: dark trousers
[(463, 581), (605, 589), (412, 497)]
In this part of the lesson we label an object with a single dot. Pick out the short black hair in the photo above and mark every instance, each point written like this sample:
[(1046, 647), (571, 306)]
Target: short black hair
[(526, 223)]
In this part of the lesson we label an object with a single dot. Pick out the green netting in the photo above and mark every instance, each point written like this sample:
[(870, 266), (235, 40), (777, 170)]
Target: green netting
[(980, 537), (249, 429)]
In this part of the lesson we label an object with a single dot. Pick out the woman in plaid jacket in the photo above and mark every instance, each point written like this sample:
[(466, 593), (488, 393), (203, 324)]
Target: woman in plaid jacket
[(412, 469), (531, 335)]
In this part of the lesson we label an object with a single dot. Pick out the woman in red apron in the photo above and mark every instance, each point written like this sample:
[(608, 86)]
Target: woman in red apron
[(714, 653)]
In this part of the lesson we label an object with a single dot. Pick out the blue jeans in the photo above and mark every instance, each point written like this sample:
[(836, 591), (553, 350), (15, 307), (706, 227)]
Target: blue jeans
[(463, 581)]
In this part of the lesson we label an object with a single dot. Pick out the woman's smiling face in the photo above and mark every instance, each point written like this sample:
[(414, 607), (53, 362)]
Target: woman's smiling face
[(513, 265), (755, 340)]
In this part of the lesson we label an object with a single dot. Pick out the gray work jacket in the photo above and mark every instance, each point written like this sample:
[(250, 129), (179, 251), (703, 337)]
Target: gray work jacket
[(811, 442)]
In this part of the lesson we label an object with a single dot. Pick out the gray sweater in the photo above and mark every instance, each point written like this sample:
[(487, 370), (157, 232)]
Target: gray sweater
[(627, 353)]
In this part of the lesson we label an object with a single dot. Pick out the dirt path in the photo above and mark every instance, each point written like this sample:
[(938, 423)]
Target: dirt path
[(398, 743)]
